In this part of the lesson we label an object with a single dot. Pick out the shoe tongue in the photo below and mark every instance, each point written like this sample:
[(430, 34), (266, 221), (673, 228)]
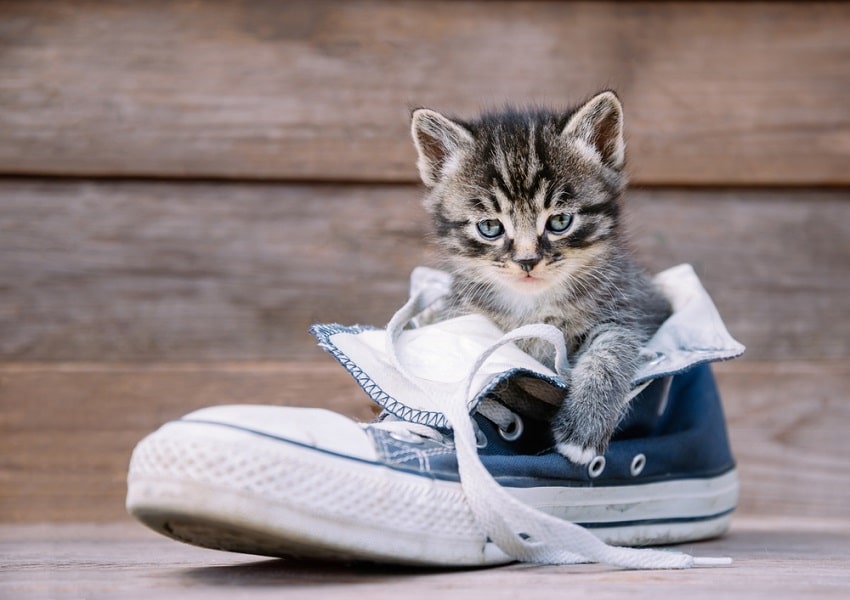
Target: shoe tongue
[(437, 361)]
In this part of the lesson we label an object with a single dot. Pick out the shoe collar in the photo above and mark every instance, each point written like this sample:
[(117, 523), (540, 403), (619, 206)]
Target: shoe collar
[(395, 365)]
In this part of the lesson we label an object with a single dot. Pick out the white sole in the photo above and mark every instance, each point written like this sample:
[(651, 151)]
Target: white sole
[(230, 489)]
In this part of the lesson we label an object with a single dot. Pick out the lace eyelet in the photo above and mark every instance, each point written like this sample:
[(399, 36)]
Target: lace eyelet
[(514, 430), (596, 466), (638, 463), (480, 439)]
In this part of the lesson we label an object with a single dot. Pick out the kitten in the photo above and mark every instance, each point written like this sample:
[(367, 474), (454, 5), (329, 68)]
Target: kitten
[(525, 206)]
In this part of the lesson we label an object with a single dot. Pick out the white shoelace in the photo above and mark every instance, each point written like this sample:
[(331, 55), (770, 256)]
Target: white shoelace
[(521, 531)]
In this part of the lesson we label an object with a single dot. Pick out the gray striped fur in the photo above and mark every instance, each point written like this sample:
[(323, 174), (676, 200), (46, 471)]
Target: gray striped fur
[(518, 176)]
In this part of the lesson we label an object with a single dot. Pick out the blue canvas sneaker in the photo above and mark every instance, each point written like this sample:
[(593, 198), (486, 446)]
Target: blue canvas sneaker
[(460, 469)]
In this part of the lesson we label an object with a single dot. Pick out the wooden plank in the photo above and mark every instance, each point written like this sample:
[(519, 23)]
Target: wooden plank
[(128, 271), (773, 558), (787, 422), (66, 431), (775, 262), (716, 93), (142, 271)]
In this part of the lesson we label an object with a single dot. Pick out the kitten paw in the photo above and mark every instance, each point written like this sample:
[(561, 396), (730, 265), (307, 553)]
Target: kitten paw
[(575, 453)]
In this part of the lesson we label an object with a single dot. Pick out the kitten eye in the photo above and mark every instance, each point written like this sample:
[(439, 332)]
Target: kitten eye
[(490, 228), (559, 223)]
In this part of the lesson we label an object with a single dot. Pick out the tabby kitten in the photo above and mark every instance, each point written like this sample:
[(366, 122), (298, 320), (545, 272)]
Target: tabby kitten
[(525, 206)]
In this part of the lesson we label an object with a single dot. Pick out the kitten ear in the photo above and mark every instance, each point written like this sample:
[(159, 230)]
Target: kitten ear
[(438, 141), (599, 123)]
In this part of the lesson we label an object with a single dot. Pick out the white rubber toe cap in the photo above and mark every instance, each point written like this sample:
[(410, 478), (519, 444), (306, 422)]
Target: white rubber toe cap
[(319, 428)]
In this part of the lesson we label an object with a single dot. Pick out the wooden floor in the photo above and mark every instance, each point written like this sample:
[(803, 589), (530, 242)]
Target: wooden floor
[(773, 559)]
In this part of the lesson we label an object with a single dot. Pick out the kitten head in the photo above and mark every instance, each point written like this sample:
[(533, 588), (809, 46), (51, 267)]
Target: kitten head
[(522, 201)]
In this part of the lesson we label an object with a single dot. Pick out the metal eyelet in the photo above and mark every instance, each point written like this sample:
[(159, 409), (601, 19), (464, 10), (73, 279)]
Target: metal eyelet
[(480, 439), (514, 430), (596, 466), (638, 463)]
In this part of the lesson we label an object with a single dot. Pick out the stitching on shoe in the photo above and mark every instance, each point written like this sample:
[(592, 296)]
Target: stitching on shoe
[(323, 334)]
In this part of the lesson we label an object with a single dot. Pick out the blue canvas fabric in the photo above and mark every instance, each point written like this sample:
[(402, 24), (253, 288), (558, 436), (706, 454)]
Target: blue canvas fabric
[(686, 440)]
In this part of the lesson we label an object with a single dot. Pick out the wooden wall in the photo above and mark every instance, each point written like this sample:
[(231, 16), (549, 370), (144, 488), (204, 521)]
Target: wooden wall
[(186, 186)]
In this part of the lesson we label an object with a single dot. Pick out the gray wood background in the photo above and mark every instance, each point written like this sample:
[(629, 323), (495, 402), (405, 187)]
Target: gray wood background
[(186, 186)]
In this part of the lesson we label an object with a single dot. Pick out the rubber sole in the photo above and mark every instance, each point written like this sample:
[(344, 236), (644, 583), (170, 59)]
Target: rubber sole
[(230, 489)]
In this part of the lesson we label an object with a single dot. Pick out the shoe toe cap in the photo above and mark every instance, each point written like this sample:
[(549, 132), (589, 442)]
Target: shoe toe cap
[(318, 428)]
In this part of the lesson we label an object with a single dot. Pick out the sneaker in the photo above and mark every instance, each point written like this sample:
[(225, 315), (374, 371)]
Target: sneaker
[(459, 470)]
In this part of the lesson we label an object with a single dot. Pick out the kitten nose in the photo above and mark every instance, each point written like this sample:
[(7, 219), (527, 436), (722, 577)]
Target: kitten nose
[(527, 263)]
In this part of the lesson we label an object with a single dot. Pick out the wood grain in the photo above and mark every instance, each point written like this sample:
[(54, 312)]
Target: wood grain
[(773, 558), (147, 271), (788, 424), (715, 93), (66, 431), (161, 271), (775, 262)]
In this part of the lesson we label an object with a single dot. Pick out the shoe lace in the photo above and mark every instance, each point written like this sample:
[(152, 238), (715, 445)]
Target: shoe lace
[(522, 532)]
